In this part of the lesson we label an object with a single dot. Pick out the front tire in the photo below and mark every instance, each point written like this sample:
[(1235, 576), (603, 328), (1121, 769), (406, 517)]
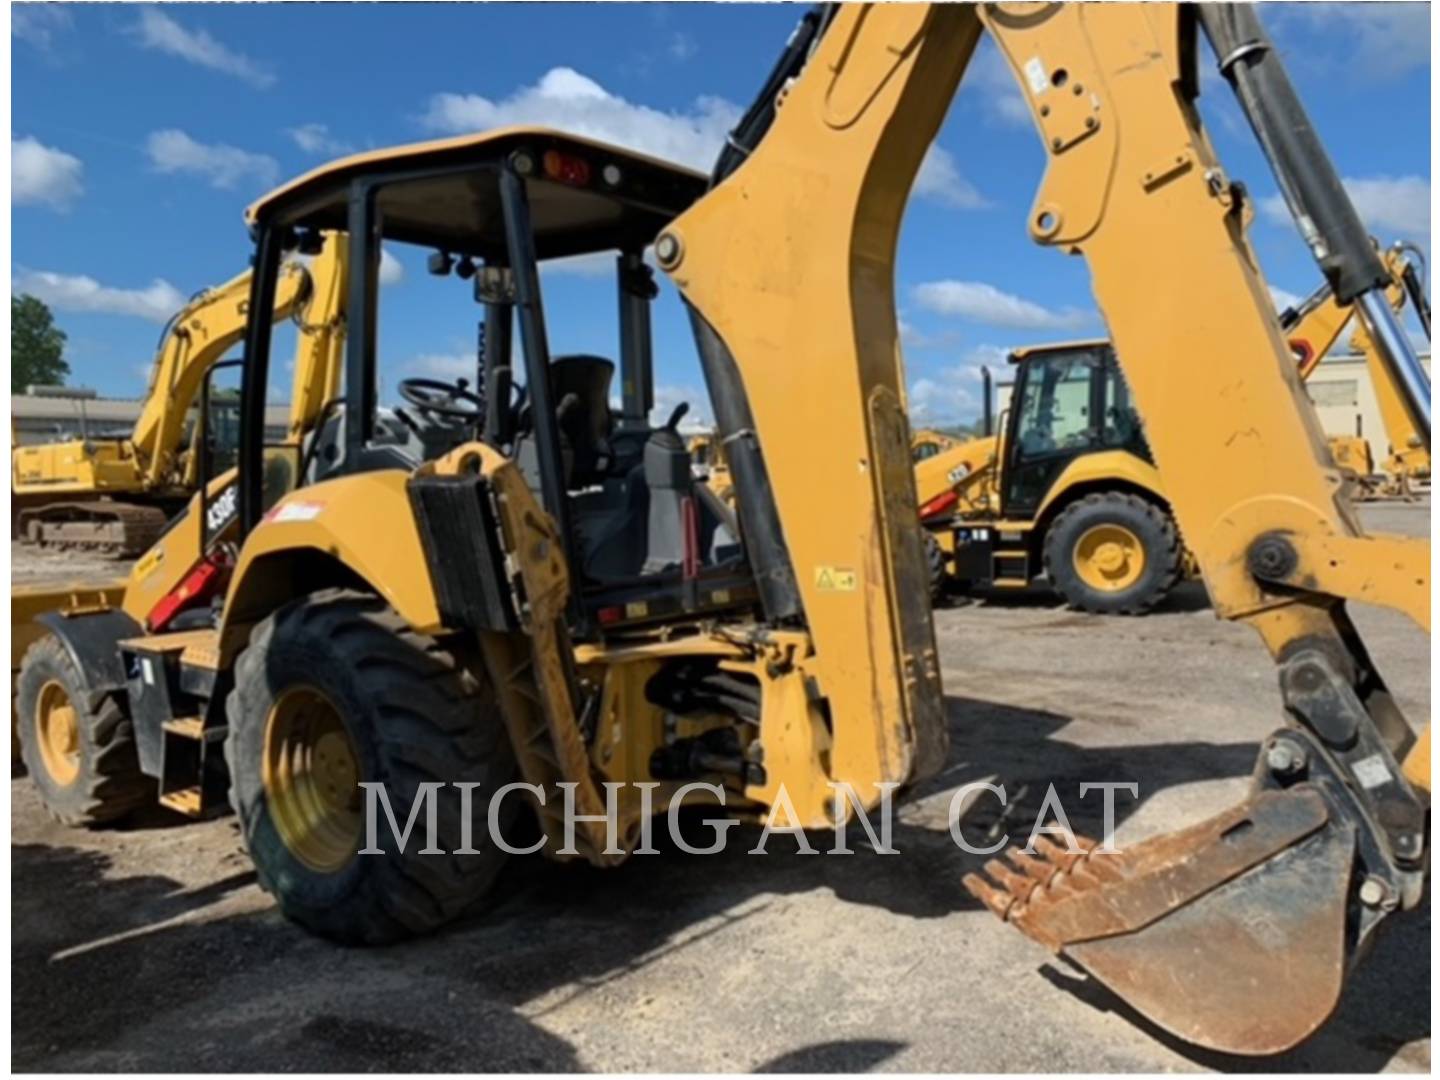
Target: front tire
[(1113, 554), (78, 747), (335, 689)]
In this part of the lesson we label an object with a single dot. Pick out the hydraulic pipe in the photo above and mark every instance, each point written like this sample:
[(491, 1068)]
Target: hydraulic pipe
[(1393, 349)]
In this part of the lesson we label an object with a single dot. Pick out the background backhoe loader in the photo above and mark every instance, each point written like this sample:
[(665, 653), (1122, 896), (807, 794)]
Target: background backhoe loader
[(114, 495), (78, 744), (539, 589), (1069, 490)]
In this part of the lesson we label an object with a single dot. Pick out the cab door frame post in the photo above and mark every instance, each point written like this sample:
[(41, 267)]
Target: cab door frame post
[(268, 244), (360, 394), (520, 242), (637, 358)]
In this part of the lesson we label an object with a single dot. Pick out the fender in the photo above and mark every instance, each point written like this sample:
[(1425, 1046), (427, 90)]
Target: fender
[(353, 530), (1108, 467), (91, 638)]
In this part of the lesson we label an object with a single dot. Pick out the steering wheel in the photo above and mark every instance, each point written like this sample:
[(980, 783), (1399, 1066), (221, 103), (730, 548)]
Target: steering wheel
[(452, 401)]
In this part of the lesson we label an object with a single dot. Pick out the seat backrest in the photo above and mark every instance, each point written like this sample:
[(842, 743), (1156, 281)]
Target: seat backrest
[(580, 391)]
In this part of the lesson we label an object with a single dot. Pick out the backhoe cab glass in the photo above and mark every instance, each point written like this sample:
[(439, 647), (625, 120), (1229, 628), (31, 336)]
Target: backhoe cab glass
[(642, 539), (1067, 402)]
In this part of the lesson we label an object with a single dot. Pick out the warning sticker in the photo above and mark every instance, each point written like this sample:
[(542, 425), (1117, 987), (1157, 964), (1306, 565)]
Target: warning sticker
[(1035, 75), (1372, 772), (834, 579), (297, 511)]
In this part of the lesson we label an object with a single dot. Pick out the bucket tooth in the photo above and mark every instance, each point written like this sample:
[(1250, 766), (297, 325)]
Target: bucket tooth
[(999, 901)]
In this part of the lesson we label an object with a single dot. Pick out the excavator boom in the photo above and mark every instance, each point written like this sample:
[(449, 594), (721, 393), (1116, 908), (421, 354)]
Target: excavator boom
[(788, 266), (115, 494)]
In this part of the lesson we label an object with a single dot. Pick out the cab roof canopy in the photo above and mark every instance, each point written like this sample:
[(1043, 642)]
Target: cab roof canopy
[(584, 196)]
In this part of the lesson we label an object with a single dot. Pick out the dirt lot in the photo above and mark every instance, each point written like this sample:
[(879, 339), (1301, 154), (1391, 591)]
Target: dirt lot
[(149, 946)]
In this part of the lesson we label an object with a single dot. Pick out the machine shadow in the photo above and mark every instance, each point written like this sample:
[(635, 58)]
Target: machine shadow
[(117, 968), (109, 975)]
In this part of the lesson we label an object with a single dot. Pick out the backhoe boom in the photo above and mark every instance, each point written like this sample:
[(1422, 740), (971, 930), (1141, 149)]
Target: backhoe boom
[(808, 224)]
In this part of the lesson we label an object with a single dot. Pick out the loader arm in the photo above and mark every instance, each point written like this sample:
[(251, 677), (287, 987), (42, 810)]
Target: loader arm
[(788, 266)]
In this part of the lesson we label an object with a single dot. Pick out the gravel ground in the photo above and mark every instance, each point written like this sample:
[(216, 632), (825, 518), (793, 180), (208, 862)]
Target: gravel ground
[(149, 947)]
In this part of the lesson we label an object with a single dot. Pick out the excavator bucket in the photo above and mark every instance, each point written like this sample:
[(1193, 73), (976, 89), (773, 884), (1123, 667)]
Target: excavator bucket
[(1234, 934)]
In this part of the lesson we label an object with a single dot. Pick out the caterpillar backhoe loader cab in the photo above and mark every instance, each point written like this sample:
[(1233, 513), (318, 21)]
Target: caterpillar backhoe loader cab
[(114, 495), (554, 599)]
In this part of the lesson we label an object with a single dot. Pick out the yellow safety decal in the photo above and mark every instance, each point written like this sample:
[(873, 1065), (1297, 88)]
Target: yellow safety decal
[(146, 566), (834, 579)]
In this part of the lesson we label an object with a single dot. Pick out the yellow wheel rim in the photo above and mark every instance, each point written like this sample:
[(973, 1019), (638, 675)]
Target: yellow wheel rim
[(1109, 558), (311, 774), (57, 731)]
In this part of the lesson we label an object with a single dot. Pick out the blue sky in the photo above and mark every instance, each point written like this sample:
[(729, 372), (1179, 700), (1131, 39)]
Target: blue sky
[(139, 134)]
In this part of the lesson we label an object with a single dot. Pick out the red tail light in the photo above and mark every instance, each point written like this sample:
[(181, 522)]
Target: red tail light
[(566, 168), (942, 503)]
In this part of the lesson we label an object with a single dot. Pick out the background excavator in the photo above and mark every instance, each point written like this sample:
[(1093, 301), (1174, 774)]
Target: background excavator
[(544, 591), (1069, 489), (114, 495)]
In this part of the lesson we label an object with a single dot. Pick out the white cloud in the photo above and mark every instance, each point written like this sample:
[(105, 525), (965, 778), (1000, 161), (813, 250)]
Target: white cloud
[(316, 139), (39, 24), (570, 101), (392, 270), (667, 397), (939, 179), (594, 264), (983, 303), (76, 292), (988, 79), (912, 337), (1398, 208), (157, 30), (173, 151), (43, 174), (954, 394), (1283, 298), (1374, 40), (681, 47)]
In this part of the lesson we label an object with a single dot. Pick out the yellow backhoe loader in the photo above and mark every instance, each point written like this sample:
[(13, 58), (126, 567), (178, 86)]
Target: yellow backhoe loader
[(114, 495), (927, 442), (86, 771), (547, 595), (1069, 488)]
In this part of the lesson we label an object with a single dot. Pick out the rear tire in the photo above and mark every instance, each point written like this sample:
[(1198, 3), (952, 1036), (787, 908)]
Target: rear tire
[(1113, 554), (78, 746), (410, 715)]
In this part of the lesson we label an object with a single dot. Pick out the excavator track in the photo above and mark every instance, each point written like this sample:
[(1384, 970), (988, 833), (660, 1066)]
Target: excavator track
[(102, 526)]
